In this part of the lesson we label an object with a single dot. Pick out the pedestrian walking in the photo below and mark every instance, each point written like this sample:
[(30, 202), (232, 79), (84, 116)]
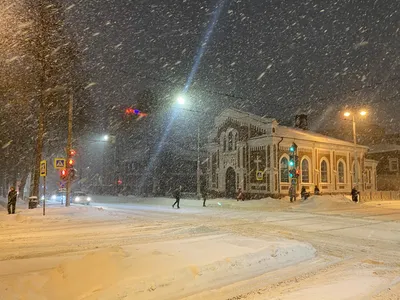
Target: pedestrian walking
[(292, 193), (12, 200), (204, 195), (240, 196), (354, 194), (177, 195), (316, 190)]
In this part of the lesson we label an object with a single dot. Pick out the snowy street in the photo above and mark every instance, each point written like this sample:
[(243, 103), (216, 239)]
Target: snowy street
[(264, 249)]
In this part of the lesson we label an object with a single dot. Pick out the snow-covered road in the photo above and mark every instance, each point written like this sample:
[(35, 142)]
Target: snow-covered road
[(324, 248)]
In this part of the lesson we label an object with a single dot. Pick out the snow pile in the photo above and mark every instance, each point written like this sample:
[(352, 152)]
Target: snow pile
[(150, 270), (324, 202)]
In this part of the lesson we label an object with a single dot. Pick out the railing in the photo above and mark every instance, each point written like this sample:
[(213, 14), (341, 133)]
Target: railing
[(379, 196)]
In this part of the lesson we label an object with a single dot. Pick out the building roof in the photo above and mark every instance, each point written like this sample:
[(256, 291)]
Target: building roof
[(281, 131), (242, 115), (381, 148), (300, 134)]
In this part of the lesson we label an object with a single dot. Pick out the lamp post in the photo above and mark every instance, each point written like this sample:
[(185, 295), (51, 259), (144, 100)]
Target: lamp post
[(348, 114), (182, 101)]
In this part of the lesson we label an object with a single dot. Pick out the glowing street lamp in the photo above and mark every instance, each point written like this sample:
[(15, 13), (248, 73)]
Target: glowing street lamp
[(181, 100), (106, 137)]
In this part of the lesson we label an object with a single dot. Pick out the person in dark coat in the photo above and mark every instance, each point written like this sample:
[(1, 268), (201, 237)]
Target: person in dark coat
[(204, 195), (240, 196), (354, 194), (316, 190), (177, 195), (292, 193), (304, 194), (12, 200)]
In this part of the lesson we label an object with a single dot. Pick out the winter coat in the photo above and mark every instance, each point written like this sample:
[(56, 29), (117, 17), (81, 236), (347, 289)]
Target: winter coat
[(12, 196), (177, 193)]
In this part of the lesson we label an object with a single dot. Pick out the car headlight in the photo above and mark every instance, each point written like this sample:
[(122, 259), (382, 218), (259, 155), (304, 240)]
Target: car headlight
[(89, 199), (54, 197), (77, 199)]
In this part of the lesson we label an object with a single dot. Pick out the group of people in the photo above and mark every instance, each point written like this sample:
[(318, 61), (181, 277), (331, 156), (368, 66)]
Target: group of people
[(177, 195)]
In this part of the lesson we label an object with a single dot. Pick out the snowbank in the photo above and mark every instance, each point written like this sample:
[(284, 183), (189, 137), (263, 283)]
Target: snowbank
[(157, 270), (324, 202)]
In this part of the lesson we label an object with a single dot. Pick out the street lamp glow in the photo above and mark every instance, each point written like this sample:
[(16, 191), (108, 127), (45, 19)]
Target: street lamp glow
[(181, 100), (347, 114), (106, 138), (363, 113)]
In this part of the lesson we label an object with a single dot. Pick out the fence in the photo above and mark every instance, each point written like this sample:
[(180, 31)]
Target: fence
[(379, 196)]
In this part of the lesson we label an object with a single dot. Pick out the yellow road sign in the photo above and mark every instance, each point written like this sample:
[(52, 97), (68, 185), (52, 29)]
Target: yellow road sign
[(43, 168), (259, 175), (59, 163)]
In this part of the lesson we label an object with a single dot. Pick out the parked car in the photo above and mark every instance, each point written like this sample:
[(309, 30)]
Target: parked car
[(81, 198)]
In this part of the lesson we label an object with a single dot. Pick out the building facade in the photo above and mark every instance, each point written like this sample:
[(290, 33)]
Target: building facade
[(242, 145), (388, 168)]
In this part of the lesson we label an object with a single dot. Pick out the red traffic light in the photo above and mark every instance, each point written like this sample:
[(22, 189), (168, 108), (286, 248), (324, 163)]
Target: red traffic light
[(63, 174), (72, 152), (71, 162), (132, 111)]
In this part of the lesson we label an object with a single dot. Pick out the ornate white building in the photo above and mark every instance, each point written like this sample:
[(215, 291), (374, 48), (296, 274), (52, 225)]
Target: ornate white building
[(243, 145)]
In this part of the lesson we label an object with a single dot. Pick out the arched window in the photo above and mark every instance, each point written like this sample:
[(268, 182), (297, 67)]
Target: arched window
[(268, 156), (324, 171), (305, 171), (341, 172), (230, 141), (284, 169), (224, 142), (235, 138)]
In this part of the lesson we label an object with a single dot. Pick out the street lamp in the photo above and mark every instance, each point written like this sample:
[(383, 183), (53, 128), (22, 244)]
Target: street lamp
[(348, 114), (106, 138), (181, 101)]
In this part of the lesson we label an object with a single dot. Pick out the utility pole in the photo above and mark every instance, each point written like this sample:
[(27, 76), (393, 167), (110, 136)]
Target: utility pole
[(355, 153), (198, 161), (69, 146)]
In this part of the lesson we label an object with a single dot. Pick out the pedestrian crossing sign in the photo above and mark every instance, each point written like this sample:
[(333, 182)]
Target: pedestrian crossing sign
[(59, 163), (43, 168)]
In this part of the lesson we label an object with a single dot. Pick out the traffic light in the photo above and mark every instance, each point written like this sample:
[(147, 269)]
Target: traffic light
[(72, 153), (297, 173), (70, 163), (293, 148), (134, 112), (63, 174)]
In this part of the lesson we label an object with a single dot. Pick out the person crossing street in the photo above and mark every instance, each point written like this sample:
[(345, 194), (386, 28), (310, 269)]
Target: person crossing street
[(177, 195), (12, 200)]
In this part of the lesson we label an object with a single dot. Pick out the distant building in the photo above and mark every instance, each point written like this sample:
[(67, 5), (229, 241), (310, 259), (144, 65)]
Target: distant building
[(392, 139), (388, 169), (243, 144)]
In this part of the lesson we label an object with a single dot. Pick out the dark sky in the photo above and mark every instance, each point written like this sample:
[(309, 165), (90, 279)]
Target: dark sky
[(278, 57)]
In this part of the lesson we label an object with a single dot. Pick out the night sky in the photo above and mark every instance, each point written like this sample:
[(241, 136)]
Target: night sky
[(277, 57)]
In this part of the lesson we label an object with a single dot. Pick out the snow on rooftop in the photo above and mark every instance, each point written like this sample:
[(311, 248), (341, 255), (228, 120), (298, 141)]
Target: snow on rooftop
[(384, 148), (290, 132)]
